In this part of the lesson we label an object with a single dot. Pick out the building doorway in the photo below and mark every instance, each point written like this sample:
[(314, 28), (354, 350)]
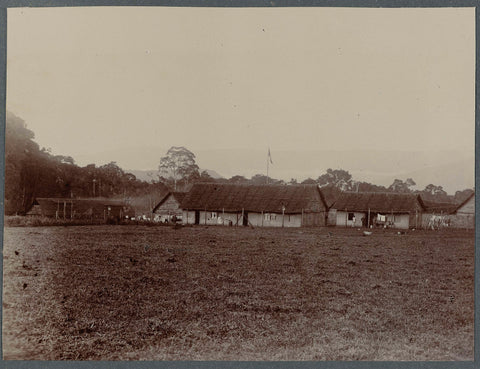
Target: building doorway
[(197, 216), (245, 219)]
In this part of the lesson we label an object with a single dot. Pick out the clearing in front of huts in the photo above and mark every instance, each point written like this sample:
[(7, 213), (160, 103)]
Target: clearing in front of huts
[(228, 293)]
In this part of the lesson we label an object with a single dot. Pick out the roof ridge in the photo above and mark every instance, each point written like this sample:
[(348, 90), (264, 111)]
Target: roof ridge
[(254, 197), (253, 184), (381, 192)]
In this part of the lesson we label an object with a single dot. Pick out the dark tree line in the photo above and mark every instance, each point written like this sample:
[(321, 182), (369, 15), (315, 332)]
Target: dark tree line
[(31, 171)]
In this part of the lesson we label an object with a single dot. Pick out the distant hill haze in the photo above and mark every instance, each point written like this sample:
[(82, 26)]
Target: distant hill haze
[(454, 170), (148, 175)]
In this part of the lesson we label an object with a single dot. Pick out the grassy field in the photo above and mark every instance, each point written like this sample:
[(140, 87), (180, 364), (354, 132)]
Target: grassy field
[(197, 293)]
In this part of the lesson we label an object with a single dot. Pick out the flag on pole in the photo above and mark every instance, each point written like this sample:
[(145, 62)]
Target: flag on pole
[(270, 156)]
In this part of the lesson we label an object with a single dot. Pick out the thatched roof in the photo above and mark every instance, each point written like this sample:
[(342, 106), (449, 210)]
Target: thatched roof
[(440, 207), (178, 196), (380, 202), (330, 194), (464, 202), (254, 198), (49, 206), (68, 200)]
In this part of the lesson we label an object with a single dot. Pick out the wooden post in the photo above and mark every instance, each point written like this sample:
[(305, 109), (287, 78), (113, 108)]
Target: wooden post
[(64, 209), (283, 215), (187, 216), (368, 218), (243, 214), (262, 218), (223, 216)]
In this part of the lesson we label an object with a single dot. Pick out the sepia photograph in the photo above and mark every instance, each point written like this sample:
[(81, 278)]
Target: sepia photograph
[(239, 184)]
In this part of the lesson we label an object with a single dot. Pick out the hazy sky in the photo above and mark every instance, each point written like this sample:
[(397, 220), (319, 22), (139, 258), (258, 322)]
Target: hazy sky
[(92, 80)]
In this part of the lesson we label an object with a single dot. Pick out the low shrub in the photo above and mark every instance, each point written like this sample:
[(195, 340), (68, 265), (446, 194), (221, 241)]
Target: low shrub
[(34, 221)]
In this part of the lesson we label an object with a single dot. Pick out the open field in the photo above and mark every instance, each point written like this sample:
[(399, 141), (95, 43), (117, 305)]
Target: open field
[(196, 293)]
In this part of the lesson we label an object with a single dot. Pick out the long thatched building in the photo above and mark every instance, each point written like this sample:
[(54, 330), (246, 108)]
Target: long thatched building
[(254, 205), (375, 209), (70, 208)]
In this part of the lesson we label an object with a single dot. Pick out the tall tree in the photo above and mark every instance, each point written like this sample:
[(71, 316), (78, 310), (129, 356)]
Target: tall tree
[(238, 179), (436, 193), (309, 181), (461, 196), (369, 187), (339, 178), (402, 187), (21, 167), (178, 163), (261, 179), (206, 177), (434, 190)]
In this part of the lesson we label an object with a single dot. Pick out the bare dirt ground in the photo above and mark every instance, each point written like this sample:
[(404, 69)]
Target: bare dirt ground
[(196, 293)]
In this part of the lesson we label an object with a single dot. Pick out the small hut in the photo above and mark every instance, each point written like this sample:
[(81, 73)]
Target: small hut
[(169, 209)]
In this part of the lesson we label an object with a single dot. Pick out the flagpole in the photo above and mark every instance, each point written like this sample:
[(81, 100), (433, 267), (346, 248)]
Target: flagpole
[(269, 160), (267, 167)]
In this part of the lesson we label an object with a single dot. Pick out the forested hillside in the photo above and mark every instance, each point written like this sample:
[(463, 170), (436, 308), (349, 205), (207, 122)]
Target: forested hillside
[(31, 171)]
